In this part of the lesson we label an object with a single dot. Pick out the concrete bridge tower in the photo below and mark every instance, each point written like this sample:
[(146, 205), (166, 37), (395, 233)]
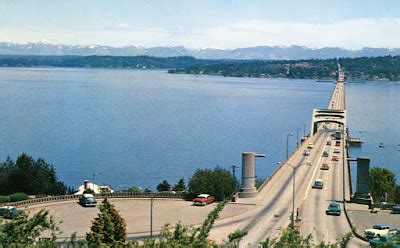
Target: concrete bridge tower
[(248, 189)]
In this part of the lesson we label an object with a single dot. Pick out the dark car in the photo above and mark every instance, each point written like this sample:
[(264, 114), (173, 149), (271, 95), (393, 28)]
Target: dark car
[(334, 209), (396, 209), (88, 200), (8, 212)]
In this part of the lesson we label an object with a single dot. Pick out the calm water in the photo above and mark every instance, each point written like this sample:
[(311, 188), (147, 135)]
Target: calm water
[(140, 127), (373, 110)]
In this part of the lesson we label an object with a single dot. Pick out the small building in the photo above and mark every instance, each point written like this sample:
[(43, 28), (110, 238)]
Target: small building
[(98, 189)]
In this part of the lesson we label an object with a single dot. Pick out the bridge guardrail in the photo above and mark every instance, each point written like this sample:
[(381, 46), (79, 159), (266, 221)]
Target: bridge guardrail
[(61, 198)]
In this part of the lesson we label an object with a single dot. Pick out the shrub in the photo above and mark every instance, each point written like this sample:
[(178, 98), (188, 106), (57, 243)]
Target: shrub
[(218, 182), (4, 198), (163, 186), (18, 197)]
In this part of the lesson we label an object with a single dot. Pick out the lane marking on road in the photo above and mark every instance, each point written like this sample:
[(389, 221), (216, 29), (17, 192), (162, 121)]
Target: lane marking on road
[(316, 168)]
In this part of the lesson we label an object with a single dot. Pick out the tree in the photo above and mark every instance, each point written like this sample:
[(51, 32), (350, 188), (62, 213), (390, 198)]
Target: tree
[(25, 231), (164, 186), (108, 228), (29, 176), (218, 182), (180, 185), (382, 181)]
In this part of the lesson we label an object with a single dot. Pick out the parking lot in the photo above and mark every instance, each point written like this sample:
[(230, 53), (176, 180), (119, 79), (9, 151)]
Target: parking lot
[(74, 218)]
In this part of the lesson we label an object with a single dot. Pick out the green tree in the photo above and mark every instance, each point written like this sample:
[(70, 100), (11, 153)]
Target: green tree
[(108, 228), (25, 231), (163, 186), (397, 194), (29, 176), (180, 185), (218, 182), (382, 181)]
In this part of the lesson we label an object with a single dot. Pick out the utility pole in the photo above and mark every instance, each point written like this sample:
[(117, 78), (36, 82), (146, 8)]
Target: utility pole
[(234, 175), (151, 216)]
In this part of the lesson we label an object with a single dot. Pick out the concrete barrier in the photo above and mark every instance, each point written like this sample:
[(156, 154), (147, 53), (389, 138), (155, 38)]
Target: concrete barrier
[(62, 198)]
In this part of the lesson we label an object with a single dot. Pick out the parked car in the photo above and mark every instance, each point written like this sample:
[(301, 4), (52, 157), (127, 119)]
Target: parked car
[(336, 150), (324, 166), (385, 241), (334, 209), (310, 146), (378, 230), (335, 158), (337, 143), (325, 154), (328, 143), (8, 212), (87, 200), (306, 153), (396, 209), (203, 199), (318, 184)]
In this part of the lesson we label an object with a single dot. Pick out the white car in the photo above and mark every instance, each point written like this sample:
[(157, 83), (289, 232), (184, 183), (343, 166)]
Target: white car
[(318, 184), (378, 230), (337, 150)]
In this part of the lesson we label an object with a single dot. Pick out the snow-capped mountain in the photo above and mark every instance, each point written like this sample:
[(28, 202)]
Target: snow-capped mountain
[(248, 53)]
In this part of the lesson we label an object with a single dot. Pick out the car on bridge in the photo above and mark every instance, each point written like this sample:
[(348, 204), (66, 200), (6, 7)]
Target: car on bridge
[(306, 153), (203, 200), (318, 184), (324, 166), (335, 158), (325, 154), (334, 209), (310, 146)]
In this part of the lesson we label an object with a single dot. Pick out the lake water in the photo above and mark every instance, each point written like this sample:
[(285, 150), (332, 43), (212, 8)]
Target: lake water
[(373, 110), (137, 127)]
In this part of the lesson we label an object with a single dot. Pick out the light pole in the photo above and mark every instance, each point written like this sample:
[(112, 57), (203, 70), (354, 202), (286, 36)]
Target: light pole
[(294, 189), (287, 145), (297, 143), (151, 216)]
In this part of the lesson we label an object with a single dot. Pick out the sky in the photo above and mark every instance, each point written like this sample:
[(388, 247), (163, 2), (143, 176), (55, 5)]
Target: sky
[(228, 24)]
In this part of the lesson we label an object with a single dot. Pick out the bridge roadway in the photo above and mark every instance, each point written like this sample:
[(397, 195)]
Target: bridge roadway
[(274, 202)]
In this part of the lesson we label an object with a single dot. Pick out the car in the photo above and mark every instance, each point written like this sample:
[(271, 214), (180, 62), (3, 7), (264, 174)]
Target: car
[(318, 184), (336, 150), (385, 241), (310, 146), (379, 230), (335, 158), (396, 209), (337, 143), (328, 143), (334, 209), (306, 153), (203, 200), (324, 166), (8, 212), (325, 154), (87, 200)]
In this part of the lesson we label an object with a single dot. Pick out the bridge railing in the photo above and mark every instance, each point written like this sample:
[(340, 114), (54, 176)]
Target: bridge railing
[(62, 198)]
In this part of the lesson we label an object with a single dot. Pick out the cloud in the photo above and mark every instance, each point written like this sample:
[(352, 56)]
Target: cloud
[(349, 33)]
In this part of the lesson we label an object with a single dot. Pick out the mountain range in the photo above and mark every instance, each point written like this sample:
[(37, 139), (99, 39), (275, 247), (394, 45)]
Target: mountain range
[(248, 53)]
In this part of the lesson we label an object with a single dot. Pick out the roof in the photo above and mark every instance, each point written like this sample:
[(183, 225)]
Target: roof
[(203, 195)]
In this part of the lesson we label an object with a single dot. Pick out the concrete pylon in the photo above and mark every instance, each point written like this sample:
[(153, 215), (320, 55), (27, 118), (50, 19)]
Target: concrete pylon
[(248, 189)]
